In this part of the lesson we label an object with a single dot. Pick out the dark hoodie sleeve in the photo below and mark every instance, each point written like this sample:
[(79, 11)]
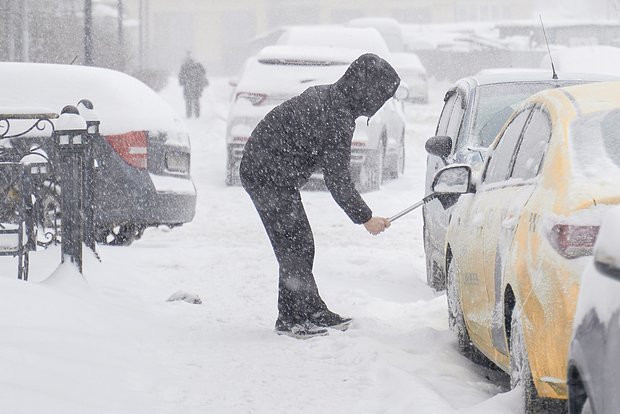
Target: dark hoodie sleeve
[(337, 175)]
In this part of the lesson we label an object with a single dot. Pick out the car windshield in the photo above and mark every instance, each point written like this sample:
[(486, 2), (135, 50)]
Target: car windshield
[(496, 103), (595, 146)]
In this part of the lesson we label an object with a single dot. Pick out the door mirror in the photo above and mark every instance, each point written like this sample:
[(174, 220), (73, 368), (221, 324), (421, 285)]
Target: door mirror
[(454, 179), (402, 92), (606, 252), (448, 185), (440, 146)]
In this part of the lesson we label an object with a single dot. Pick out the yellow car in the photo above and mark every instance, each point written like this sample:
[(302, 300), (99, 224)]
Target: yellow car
[(517, 244)]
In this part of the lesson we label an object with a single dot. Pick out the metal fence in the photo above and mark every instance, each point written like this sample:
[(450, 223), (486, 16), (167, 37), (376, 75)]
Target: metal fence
[(46, 170)]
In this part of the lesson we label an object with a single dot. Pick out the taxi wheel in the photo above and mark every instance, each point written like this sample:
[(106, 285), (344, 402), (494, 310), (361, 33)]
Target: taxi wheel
[(521, 375), (456, 322)]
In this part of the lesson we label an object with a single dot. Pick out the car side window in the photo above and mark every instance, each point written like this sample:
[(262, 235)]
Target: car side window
[(501, 157), (446, 113), (533, 145), (456, 119)]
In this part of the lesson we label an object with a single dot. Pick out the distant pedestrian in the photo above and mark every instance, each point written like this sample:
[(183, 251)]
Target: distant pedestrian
[(310, 132), (193, 78)]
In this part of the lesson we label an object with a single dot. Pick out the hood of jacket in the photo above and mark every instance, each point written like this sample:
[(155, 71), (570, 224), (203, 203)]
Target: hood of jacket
[(367, 84)]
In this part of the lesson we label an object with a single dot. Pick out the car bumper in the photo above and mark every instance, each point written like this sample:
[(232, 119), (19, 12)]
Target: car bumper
[(124, 194), (147, 206)]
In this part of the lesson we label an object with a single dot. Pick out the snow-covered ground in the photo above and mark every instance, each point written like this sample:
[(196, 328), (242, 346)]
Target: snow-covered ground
[(111, 343)]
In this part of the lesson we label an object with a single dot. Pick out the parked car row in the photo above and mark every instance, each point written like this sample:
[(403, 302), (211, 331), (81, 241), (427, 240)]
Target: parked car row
[(516, 245), (142, 170), (308, 56), (474, 111)]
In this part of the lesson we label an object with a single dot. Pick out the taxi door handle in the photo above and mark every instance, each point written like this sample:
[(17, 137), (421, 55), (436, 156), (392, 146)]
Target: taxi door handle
[(509, 223)]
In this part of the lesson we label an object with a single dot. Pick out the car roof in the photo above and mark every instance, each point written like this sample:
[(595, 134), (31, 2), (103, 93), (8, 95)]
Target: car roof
[(123, 103), (583, 99), (367, 38), (289, 70), (307, 54), (534, 76)]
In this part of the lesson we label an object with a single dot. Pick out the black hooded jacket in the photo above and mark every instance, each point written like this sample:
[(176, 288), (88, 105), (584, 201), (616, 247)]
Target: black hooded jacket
[(314, 131)]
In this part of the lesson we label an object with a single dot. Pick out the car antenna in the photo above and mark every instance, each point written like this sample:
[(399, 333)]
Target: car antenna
[(555, 75)]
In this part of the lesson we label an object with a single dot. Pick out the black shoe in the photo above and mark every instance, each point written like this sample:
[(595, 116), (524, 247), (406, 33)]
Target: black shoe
[(329, 319), (299, 330)]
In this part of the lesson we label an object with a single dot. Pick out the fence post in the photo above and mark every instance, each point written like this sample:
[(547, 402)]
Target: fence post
[(91, 116), (70, 145)]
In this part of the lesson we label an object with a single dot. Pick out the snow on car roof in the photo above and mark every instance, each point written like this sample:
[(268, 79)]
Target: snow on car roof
[(407, 60), (367, 39), (593, 97), (123, 102), (280, 77), (533, 76), (311, 56)]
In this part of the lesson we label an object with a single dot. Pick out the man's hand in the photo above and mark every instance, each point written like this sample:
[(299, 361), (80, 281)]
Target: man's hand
[(377, 225)]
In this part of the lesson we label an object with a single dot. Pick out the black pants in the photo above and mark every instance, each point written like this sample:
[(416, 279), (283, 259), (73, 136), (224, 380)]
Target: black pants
[(192, 105), (285, 220)]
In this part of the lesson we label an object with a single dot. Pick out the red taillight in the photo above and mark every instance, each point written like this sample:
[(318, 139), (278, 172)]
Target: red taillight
[(131, 146), (573, 241), (358, 144)]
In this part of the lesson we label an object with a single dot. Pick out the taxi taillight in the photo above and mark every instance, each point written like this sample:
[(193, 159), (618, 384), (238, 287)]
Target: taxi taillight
[(573, 241)]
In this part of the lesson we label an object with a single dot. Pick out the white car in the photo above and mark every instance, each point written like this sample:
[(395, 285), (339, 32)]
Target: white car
[(413, 74), (407, 64), (278, 73)]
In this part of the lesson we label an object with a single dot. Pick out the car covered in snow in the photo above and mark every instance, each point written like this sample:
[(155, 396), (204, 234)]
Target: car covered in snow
[(518, 243), (407, 64), (475, 109), (142, 161), (593, 365), (283, 71), (413, 74)]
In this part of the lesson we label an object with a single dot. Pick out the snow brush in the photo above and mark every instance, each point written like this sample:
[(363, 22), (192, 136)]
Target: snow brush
[(447, 200), (411, 208)]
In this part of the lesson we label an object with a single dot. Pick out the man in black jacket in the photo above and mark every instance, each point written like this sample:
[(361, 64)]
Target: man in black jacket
[(193, 79), (309, 132)]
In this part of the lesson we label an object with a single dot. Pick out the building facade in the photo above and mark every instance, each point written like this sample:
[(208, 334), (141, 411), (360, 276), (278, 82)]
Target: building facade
[(217, 32)]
